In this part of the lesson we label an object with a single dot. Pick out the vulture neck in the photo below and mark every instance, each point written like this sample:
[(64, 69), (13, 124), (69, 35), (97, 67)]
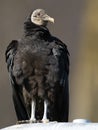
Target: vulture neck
[(32, 29)]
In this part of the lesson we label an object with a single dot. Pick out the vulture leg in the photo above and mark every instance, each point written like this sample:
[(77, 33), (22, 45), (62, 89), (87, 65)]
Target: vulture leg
[(44, 119), (33, 105)]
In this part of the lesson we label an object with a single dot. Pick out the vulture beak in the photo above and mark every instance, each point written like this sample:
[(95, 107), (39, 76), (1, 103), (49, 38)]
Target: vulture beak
[(48, 18)]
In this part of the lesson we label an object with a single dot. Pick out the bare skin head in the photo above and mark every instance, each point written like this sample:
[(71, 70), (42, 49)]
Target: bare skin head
[(39, 17)]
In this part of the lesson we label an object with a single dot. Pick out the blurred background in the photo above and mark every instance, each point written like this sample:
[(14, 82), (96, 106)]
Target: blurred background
[(76, 24)]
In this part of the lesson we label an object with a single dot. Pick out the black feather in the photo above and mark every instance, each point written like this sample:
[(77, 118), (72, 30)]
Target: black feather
[(38, 65)]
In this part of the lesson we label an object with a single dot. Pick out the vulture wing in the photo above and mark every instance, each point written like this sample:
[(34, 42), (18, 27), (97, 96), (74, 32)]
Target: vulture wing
[(61, 53), (17, 95)]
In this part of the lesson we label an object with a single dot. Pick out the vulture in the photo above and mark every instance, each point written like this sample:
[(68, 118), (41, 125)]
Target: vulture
[(38, 67)]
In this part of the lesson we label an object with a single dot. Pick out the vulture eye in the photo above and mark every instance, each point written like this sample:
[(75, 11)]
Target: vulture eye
[(38, 14)]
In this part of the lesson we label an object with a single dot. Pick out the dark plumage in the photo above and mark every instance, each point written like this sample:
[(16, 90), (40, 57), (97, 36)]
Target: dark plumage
[(38, 65)]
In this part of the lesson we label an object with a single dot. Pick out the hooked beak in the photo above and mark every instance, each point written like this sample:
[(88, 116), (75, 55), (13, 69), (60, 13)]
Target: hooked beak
[(48, 18)]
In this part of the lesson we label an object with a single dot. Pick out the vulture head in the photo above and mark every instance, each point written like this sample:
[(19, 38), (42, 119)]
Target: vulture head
[(39, 17)]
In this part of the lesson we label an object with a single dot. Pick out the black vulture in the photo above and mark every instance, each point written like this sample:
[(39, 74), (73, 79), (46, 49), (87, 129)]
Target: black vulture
[(38, 65)]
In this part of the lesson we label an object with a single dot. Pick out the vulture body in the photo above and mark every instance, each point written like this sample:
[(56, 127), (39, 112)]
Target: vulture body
[(38, 65)]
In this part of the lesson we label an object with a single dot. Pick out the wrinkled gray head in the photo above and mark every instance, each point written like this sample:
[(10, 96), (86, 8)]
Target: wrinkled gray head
[(39, 17)]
